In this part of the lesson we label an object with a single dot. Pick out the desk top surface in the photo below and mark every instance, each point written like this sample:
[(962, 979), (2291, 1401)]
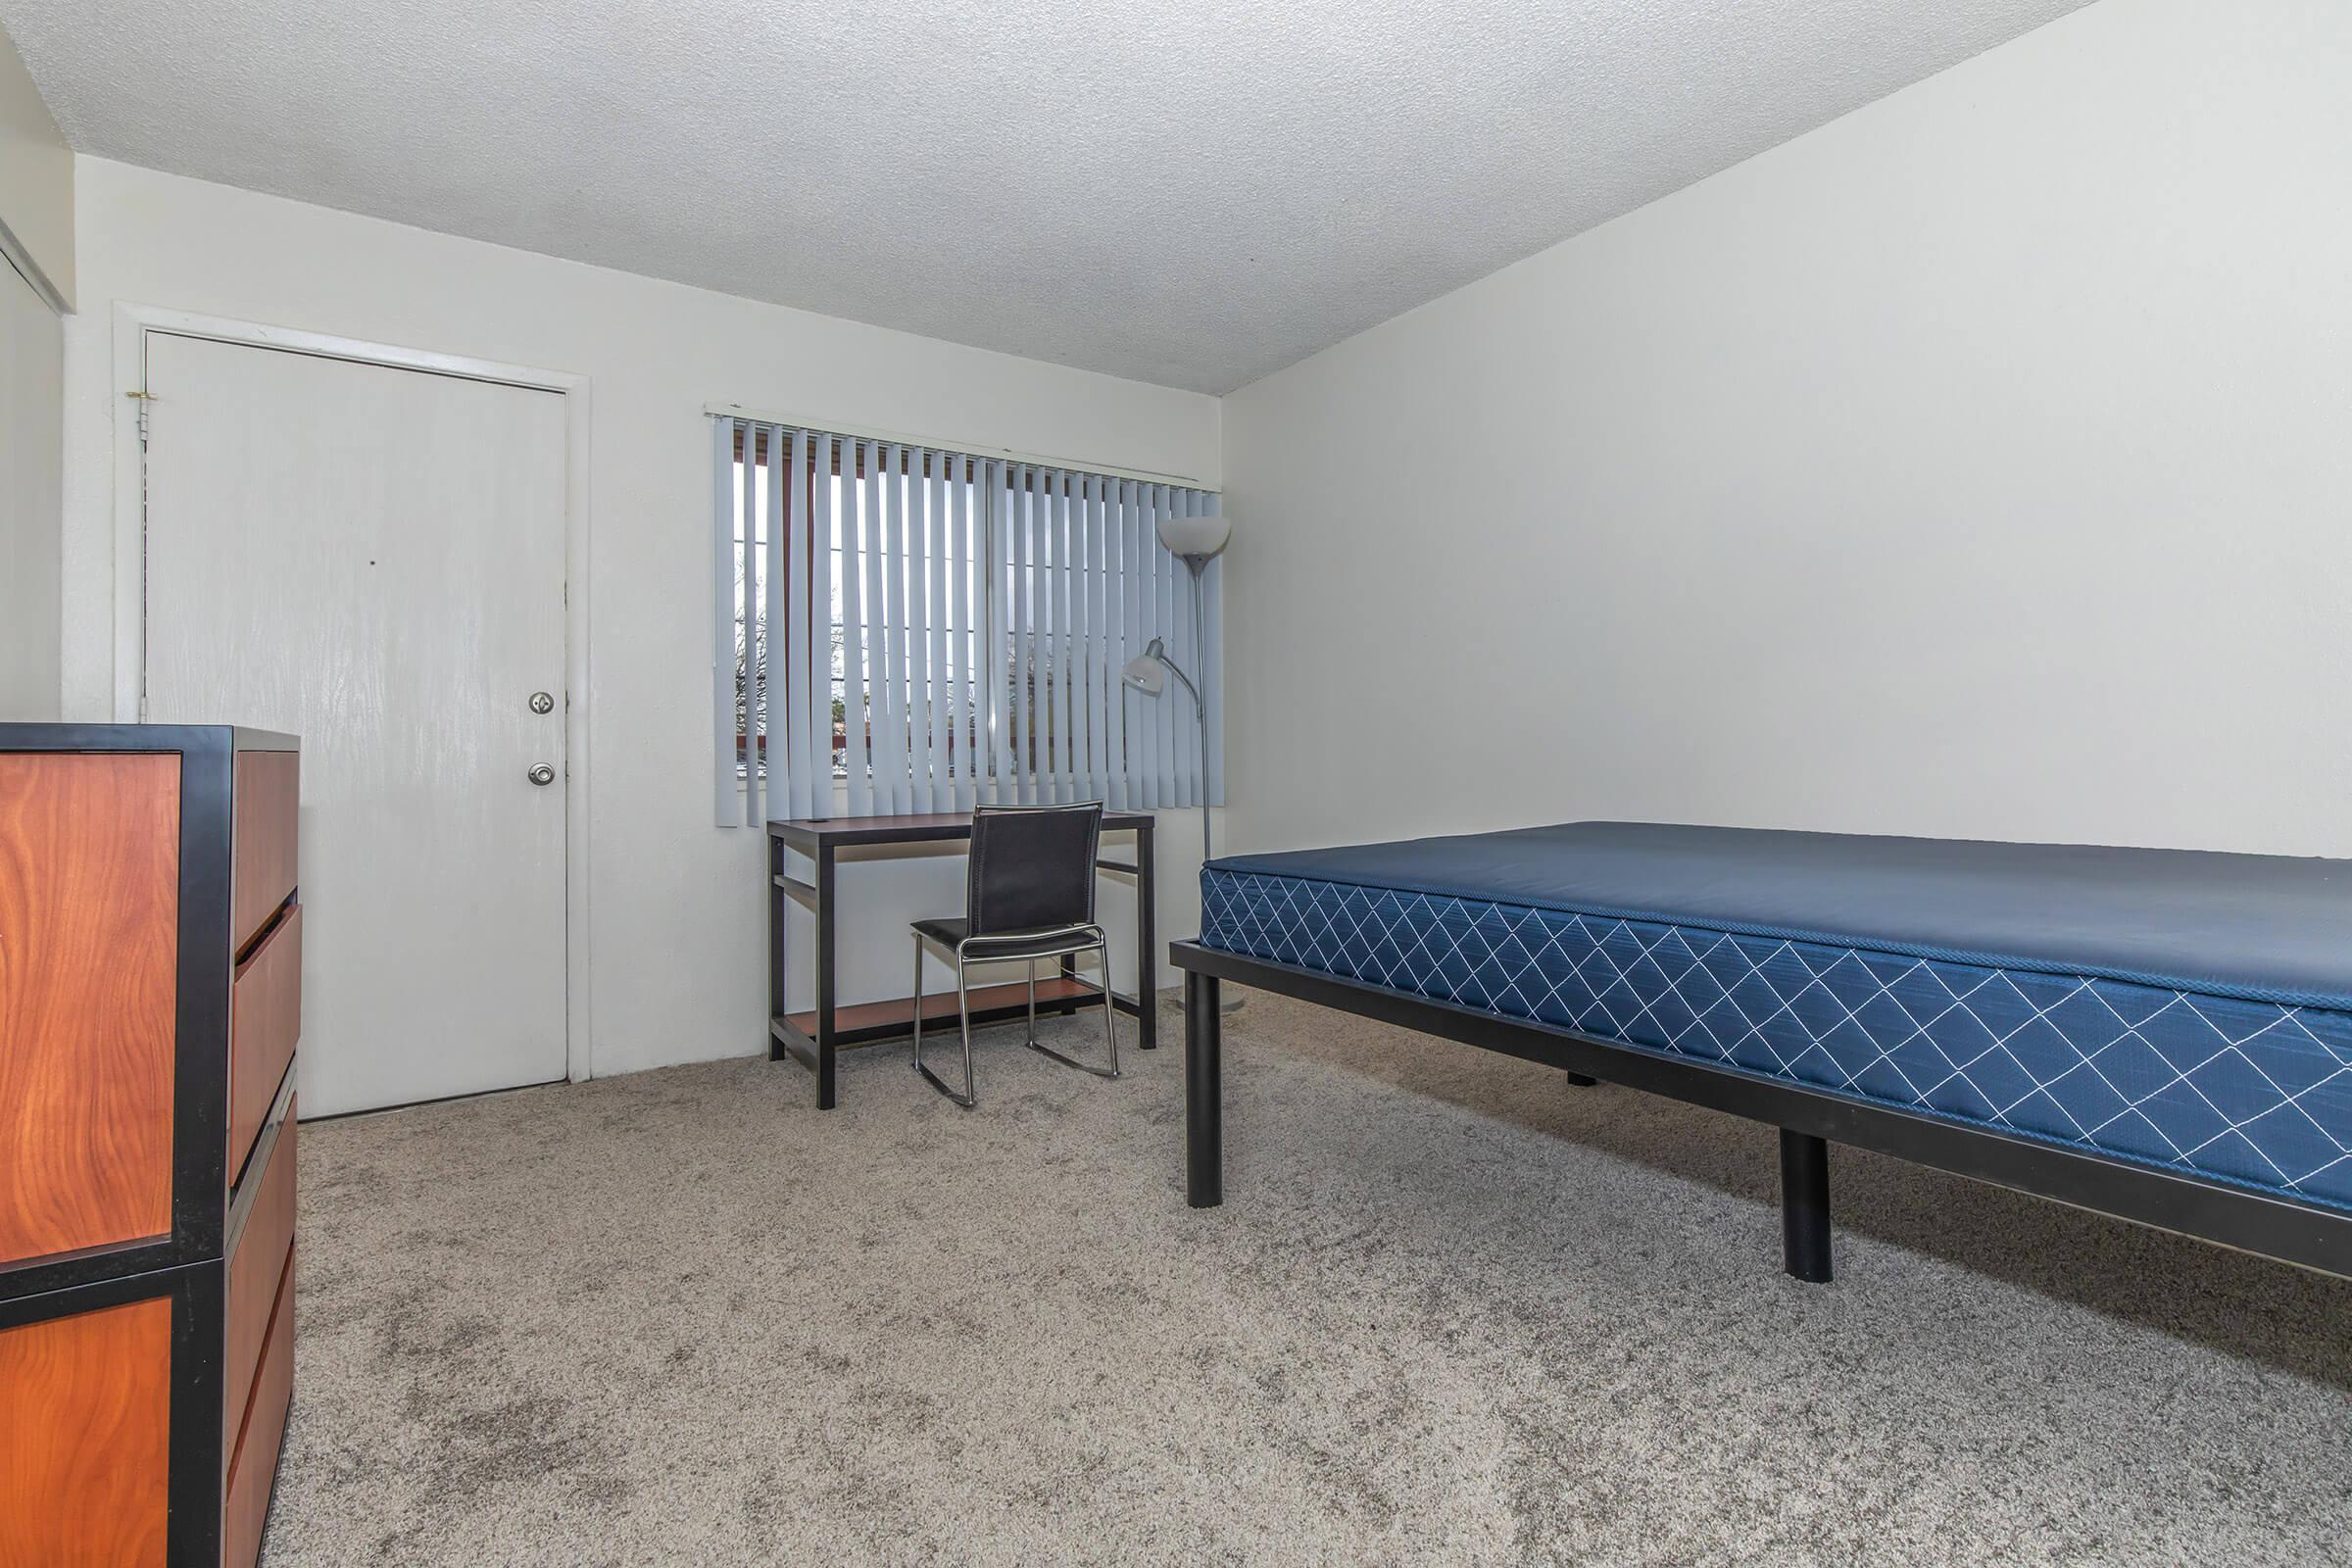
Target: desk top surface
[(912, 829)]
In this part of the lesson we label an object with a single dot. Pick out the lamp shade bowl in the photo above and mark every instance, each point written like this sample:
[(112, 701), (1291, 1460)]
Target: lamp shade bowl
[(1194, 538)]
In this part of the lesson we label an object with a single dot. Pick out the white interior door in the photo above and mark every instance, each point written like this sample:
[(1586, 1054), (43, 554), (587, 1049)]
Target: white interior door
[(372, 557)]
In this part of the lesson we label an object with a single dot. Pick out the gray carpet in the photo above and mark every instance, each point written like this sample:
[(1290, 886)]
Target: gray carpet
[(1454, 1311)]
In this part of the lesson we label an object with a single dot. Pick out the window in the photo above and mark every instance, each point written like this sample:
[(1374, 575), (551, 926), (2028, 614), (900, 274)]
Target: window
[(928, 630)]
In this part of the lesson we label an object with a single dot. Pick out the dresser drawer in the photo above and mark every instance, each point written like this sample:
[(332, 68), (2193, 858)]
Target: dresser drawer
[(264, 1021), (268, 789), (253, 1270), (253, 1465)]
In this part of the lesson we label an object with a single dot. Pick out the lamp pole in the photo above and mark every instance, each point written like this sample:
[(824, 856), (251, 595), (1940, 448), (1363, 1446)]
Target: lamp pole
[(1198, 565), (1143, 673)]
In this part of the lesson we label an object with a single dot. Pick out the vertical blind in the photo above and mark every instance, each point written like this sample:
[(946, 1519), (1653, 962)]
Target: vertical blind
[(902, 628)]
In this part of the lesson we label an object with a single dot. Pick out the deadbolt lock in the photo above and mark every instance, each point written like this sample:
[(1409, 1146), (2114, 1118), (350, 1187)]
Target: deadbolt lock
[(542, 703)]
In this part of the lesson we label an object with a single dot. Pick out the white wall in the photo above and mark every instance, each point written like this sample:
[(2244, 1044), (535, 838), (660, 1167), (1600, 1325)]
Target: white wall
[(36, 180), (677, 908), (1980, 463), (32, 450), (36, 243)]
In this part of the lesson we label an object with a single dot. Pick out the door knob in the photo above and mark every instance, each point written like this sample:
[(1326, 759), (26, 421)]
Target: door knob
[(542, 774), (542, 703)]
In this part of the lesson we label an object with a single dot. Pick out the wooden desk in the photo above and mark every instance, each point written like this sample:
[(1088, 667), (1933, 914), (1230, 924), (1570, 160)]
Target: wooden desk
[(813, 1035)]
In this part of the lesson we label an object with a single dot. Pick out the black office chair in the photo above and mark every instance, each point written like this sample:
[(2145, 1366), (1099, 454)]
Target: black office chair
[(1029, 896)]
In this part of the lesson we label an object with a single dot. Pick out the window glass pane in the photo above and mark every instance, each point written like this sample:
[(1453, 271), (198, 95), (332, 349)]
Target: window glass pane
[(750, 640), (1016, 620)]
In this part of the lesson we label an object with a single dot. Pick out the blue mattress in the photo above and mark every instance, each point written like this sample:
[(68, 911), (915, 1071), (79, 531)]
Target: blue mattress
[(2184, 1010)]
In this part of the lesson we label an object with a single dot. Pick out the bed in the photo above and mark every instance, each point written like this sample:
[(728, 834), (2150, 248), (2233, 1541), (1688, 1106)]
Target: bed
[(2164, 1035)]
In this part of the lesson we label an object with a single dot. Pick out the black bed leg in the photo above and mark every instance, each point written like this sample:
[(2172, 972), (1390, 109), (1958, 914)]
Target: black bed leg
[(1203, 1093), (1579, 1080), (1805, 1207)]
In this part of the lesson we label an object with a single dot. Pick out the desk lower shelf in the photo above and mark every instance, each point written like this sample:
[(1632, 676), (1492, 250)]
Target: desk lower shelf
[(868, 1023)]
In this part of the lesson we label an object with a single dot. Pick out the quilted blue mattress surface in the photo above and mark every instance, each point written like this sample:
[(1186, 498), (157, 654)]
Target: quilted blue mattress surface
[(2186, 1009)]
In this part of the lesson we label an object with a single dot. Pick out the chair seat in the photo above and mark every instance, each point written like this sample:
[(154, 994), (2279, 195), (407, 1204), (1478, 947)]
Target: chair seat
[(949, 933)]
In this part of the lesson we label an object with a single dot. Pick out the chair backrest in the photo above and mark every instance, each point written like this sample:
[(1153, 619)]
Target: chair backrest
[(1032, 866)]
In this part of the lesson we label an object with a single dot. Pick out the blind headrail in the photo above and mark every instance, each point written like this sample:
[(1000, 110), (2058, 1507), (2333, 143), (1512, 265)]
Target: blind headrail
[(962, 449)]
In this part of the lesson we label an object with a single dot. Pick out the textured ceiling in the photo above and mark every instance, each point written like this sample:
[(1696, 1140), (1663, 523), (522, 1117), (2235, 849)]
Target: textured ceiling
[(1176, 190)]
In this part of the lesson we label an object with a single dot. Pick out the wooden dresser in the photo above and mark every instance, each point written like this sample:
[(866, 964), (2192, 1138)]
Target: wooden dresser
[(150, 1002)]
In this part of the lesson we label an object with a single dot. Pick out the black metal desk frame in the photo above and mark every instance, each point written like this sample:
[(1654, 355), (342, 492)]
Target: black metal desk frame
[(814, 1038)]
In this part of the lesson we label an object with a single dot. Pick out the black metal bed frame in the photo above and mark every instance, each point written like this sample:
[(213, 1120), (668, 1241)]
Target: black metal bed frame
[(1809, 1121)]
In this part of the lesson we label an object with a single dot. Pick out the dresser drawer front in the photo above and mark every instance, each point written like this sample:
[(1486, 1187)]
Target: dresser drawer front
[(253, 1270), (265, 1023), (253, 1465), (268, 786)]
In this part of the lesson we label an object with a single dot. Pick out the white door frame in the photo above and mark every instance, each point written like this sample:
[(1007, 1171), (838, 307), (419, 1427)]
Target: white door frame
[(132, 324)]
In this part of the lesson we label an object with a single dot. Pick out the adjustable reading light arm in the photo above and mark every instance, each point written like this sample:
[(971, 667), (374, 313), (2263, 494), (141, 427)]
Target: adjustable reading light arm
[(1143, 671)]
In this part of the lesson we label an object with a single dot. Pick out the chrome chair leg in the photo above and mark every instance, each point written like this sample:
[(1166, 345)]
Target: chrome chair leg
[(1102, 952), (1031, 967), (964, 1011), (919, 1004), (1110, 1033), (968, 1099)]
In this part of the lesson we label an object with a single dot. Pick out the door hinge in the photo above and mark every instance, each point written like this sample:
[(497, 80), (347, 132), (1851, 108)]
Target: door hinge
[(142, 399)]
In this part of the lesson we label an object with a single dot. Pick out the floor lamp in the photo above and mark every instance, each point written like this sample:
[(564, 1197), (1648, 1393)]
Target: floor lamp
[(1194, 541)]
